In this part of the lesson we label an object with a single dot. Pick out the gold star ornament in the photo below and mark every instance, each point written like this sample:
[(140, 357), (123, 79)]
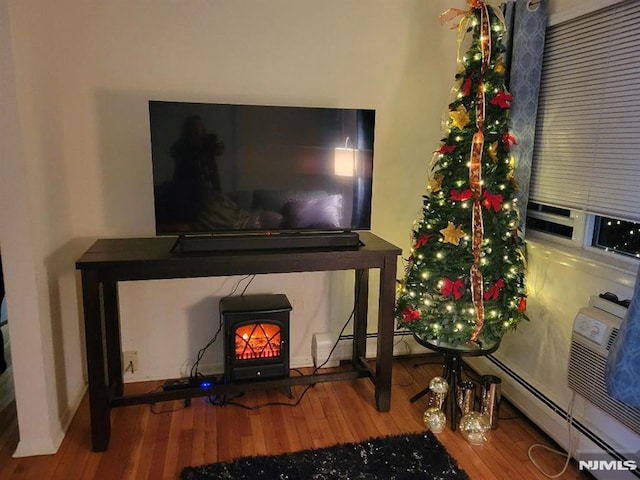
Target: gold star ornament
[(459, 117), (492, 151), (511, 173), (435, 184), (452, 234)]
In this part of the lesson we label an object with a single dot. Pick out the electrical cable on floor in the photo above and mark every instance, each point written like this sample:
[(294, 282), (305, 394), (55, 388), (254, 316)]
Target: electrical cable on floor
[(559, 452)]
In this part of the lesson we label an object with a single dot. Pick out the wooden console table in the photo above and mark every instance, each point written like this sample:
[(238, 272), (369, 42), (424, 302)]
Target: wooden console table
[(110, 261)]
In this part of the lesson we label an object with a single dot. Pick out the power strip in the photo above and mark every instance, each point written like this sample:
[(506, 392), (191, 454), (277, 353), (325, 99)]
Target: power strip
[(177, 384), (187, 382)]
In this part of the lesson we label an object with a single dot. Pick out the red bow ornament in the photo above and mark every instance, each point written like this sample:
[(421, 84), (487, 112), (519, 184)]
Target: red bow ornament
[(492, 201), (502, 99), (450, 287), (494, 291), (522, 304), (509, 140), (444, 149), (410, 314), (460, 196), (422, 241), (466, 86)]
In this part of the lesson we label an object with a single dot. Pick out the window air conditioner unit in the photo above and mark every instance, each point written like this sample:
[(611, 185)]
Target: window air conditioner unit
[(594, 330)]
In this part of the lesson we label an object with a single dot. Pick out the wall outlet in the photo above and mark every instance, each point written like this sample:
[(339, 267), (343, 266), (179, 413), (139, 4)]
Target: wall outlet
[(130, 361)]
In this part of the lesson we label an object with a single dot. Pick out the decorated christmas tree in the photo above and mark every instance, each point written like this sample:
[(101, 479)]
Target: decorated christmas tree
[(464, 281)]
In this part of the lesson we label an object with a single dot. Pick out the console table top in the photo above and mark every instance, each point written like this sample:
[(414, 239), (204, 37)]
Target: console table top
[(147, 258)]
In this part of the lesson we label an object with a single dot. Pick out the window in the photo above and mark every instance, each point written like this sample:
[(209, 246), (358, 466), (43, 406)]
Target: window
[(617, 235), (577, 229), (552, 220), (587, 148)]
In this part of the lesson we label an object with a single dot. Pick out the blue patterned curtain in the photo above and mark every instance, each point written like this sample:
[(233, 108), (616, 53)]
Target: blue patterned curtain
[(526, 22), (622, 374)]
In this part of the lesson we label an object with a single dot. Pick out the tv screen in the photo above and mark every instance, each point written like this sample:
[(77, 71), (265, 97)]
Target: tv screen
[(248, 168)]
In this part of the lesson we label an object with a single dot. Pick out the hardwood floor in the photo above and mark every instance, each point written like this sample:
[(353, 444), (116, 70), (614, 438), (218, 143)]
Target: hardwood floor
[(157, 442)]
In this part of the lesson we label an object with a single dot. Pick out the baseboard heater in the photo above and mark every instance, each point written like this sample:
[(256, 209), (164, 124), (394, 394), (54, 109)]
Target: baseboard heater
[(607, 424), (322, 344), (561, 413)]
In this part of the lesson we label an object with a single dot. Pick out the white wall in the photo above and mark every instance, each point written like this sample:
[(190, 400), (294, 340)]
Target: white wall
[(34, 233), (560, 281), (76, 164)]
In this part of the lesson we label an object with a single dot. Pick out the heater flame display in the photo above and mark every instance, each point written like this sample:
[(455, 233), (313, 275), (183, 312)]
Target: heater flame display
[(257, 340)]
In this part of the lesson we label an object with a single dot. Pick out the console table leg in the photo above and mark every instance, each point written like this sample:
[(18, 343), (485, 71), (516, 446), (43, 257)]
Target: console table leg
[(112, 335), (361, 295), (384, 360), (96, 361)]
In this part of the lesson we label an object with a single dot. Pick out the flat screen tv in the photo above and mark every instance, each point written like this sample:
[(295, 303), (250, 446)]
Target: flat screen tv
[(221, 168)]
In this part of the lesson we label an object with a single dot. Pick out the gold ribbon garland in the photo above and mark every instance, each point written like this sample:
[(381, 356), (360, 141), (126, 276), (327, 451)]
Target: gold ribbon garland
[(477, 146), (462, 24), (475, 175)]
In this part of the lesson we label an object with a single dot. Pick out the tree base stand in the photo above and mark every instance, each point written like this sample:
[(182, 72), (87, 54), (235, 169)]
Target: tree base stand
[(452, 373)]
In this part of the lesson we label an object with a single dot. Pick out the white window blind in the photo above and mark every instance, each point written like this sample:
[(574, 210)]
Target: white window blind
[(587, 147)]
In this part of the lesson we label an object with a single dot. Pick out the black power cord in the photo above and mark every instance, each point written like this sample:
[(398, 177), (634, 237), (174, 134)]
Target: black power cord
[(195, 374)]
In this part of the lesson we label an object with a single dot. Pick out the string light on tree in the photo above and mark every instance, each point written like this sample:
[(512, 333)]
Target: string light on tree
[(474, 289)]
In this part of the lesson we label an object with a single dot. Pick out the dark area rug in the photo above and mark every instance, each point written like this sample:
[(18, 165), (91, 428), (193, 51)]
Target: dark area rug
[(401, 457)]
